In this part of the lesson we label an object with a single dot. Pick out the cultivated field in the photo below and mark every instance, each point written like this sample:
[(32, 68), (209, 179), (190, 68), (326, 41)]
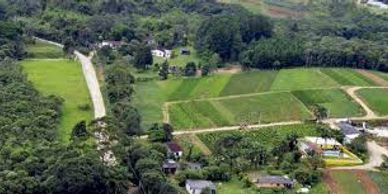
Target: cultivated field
[(62, 78), (266, 136), (249, 97), (376, 99)]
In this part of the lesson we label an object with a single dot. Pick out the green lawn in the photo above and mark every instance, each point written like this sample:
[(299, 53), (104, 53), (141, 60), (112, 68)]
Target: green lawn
[(252, 6), (348, 182), (62, 78), (249, 82), (381, 179), (253, 109), (336, 101), (299, 79), (376, 99), (43, 50), (180, 60), (348, 77)]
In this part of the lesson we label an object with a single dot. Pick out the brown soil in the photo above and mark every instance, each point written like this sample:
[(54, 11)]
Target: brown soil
[(366, 182), (233, 69), (331, 184), (378, 80), (279, 12)]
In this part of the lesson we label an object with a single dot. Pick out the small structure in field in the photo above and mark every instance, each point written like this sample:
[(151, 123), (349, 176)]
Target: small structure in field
[(162, 53), (185, 51), (174, 150), (197, 186), (349, 131), (169, 166), (193, 165), (111, 44), (274, 182)]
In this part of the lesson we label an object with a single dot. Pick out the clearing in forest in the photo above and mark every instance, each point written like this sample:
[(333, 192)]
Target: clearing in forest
[(62, 78)]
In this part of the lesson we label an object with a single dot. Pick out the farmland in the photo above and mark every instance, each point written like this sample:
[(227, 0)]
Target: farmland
[(381, 179), (42, 50), (62, 78), (348, 182), (376, 99), (266, 96), (266, 136)]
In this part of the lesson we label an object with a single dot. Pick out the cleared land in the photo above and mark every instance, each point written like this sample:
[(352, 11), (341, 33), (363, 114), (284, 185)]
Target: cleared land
[(62, 78), (348, 182), (233, 111), (40, 50), (376, 99), (336, 101), (381, 179), (227, 98), (178, 59)]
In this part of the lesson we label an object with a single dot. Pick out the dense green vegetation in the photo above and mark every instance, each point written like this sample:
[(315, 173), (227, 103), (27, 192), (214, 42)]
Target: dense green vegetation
[(62, 78), (380, 178)]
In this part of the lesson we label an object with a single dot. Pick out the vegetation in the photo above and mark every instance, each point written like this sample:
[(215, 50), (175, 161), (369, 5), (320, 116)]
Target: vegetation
[(375, 98), (380, 178), (62, 78), (348, 181), (41, 50)]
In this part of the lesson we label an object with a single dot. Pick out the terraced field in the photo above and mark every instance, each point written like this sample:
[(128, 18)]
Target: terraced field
[(249, 97)]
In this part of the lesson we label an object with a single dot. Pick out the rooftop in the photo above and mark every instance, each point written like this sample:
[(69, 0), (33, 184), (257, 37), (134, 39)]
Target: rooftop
[(170, 164), (173, 147), (200, 184), (274, 180), (347, 129), (322, 141)]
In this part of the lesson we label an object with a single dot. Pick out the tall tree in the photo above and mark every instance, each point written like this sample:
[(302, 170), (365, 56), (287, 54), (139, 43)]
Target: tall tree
[(143, 57)]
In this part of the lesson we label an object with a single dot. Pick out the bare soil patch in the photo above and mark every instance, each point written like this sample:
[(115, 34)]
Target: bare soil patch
[(278, 12), (233, 69), (366, 182), (331, 183)]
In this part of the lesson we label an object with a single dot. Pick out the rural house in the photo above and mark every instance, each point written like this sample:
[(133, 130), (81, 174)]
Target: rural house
[(174, 150), (197, 186), (111, 44), (162, 53), (169, 166), (349, 131), (274, 182)]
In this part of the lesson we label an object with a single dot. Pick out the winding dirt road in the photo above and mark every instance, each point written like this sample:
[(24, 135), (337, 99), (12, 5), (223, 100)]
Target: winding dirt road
[(91, 80)]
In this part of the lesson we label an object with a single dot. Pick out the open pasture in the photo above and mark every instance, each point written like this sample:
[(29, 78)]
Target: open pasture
[(41, 50), (234, 111), (62, 78), (348, 182), (348, 77), (376, 99), (336, 101)]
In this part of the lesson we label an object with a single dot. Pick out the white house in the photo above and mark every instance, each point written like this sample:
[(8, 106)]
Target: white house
[(162, 53), (197, 186)]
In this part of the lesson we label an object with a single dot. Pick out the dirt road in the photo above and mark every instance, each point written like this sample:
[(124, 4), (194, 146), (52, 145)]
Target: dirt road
[(352, 93), (375, 158), (91, 80)]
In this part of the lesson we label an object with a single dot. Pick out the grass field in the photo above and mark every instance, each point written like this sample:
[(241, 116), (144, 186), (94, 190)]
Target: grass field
[(381, 179), (180, 60), (41, 50), (348, 182), (299, 79), (376, 99), (310, 86), (62, 78), (266, 136), (233, 111), (336, 101)]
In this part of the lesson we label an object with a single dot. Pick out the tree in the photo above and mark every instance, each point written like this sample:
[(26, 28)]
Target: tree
[(127, 117), (143, 57), (68, 46), (205, 70), (79, 130), (190, 69), (163, 71), (319, 112)]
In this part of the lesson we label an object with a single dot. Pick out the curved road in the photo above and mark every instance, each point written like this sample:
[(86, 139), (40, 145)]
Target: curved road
[(91, 80)]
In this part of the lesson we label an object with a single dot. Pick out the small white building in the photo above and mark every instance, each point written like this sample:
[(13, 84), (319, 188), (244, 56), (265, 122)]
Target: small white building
[(197, 186), (111, 44), (162, 53)]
